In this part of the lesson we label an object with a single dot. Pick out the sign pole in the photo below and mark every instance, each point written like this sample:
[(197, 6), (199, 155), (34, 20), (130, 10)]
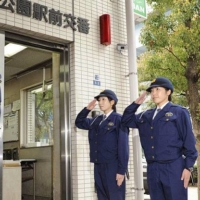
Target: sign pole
[(133, 82)]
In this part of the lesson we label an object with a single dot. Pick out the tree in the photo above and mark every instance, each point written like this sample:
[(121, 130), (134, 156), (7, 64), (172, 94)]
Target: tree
[(44, 115), (171, 34)]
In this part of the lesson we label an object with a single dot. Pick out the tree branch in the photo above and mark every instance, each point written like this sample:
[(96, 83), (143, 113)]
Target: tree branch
[(168, 69), (175, 57), (198, 73)]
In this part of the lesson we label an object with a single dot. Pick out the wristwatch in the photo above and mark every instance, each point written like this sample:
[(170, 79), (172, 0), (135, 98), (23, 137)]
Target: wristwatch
[(190, 169)]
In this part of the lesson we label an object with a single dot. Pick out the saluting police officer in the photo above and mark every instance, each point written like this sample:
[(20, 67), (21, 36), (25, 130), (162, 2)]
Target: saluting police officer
[(109, 148), (167, 140)]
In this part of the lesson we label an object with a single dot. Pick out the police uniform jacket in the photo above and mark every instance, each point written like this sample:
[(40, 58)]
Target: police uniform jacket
[(166, 137), (108, 141)]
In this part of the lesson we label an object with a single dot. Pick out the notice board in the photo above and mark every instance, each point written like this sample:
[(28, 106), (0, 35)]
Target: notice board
[(11, 127)]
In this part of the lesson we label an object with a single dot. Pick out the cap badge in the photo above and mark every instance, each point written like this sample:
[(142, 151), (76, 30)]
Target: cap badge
[(154, 80), (168, 114)]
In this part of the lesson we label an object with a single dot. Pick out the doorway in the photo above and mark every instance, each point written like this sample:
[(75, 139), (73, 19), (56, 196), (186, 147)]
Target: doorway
[(33, 74)]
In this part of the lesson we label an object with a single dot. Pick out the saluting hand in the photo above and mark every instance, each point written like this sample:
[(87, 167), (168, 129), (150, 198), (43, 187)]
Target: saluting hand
[(186, 177), (141, 98), (119, 179), (92, 104)]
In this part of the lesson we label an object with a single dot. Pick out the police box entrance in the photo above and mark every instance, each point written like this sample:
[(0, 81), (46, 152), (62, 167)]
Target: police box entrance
[(34, 93)]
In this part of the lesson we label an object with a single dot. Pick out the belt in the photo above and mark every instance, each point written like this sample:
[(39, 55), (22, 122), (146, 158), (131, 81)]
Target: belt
[(163, 161), (160, 161)]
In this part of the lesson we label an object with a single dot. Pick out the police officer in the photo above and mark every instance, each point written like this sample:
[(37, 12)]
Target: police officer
[(167, 140), (109, 149)]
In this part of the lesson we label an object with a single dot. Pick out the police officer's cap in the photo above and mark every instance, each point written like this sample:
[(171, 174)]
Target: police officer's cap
[(161, 82), (107, 93)]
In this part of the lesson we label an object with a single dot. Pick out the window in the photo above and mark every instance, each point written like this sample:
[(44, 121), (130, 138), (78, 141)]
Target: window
[(37, 119)]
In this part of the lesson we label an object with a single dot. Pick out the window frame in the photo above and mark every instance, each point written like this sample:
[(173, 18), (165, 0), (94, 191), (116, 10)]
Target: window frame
[(23, 117)]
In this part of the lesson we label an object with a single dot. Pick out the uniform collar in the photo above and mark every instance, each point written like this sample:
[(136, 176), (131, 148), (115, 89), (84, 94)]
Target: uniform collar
[(149, 113), (107, 115), (161, 107)]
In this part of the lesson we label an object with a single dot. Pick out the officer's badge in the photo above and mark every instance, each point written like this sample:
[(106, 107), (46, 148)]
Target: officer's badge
[(168, 114), (110, 124)]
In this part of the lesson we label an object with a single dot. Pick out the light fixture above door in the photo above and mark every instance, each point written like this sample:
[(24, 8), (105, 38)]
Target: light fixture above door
[(11, 49)]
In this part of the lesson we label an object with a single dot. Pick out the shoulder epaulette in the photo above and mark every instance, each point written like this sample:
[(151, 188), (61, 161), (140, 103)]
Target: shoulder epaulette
[(180, 106)]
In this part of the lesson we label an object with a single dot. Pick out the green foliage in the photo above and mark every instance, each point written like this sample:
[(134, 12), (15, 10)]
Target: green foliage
[(175, 25), (171, 33), (198, 112), (157, 2), (153, 64), (43, 114)]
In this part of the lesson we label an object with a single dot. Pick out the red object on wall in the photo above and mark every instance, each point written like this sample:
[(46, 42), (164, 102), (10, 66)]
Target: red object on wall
[(105, 33)]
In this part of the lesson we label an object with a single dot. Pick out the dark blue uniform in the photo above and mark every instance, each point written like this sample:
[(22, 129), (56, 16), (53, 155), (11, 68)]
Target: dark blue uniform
[(165, 140), (109, 151)]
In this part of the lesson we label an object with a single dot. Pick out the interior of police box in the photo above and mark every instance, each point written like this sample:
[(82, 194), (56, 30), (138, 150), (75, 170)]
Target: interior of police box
[(20, 60), (23, 61)]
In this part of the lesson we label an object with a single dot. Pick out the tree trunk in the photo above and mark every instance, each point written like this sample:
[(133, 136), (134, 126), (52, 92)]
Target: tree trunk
[(193, 101), (198, 172)]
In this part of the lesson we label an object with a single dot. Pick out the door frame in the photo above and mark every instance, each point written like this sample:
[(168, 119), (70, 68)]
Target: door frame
[(2, 69), (64, 95)]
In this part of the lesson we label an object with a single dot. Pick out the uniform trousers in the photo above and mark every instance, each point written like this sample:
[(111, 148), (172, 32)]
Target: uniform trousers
[(105, 182), (164, 180)]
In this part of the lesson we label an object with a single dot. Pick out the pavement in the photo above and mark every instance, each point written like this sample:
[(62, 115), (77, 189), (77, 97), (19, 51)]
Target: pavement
[(192, 194)]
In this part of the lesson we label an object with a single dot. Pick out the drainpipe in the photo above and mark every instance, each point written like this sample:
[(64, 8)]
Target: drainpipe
[(133, 81)]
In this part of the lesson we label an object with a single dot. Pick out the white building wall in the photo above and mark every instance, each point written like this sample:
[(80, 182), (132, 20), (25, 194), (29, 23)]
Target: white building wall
[(87, 58)]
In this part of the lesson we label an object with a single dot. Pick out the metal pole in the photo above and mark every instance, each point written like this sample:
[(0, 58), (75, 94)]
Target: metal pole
[(66, 172), (2, 44), (133, 81), (34, 178)]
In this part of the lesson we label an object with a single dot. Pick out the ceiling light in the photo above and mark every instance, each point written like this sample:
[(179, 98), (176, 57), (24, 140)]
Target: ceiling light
[(12, 49)]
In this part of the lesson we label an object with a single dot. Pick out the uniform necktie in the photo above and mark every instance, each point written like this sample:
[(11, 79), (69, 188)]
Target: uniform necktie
[(103, 118), (157, 111)]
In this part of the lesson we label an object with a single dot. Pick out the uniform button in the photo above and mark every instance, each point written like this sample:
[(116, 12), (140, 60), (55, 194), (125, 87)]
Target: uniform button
[(151, 127), (167, 119), (95, 142), (152, 147), (95, 151), (96, 160), (151, 137), (108, 128), (153, 157), (96, 134)]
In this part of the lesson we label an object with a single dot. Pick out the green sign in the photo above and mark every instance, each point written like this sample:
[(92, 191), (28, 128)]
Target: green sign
[(140, 8)]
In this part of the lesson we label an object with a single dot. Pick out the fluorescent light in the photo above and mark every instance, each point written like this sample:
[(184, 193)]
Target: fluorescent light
[(12, 49), (38, 90)]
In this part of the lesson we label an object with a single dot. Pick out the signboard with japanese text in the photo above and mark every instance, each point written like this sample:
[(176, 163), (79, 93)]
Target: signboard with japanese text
[(96, 80), (41, 12), (11, 128), (140, 8)]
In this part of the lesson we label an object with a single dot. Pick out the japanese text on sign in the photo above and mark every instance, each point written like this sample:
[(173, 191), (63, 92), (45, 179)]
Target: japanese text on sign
[(51, 16)]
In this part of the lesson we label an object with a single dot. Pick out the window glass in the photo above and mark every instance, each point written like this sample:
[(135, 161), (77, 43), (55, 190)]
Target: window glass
[(39, 113)]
